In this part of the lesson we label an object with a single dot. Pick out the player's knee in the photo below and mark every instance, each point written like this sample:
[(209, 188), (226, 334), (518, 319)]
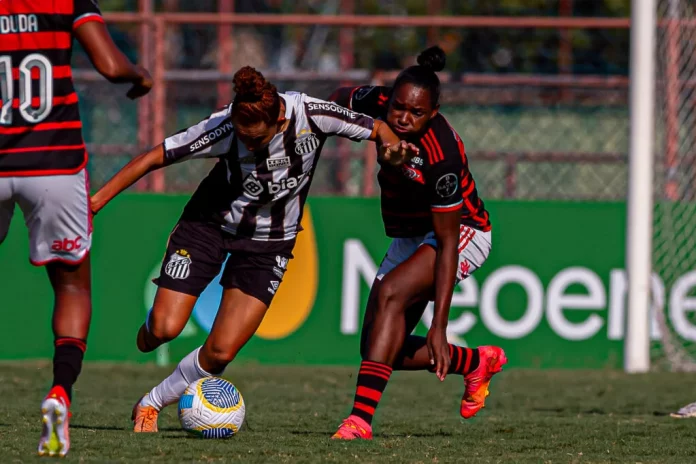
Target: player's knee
[(165, 328), (215, 357), (390, 297)]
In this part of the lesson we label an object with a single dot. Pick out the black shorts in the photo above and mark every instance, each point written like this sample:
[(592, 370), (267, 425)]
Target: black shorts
[(197, 250)]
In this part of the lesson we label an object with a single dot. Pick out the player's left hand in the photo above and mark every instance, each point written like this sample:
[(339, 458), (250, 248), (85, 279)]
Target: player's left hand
[(438, 350), (400, 153)]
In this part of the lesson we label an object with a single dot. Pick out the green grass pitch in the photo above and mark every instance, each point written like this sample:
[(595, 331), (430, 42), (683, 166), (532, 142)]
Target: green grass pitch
[(531, 417)]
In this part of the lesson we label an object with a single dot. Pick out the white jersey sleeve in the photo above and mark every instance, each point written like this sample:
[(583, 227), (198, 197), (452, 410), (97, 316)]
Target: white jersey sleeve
[(209, 138), (333, 119)]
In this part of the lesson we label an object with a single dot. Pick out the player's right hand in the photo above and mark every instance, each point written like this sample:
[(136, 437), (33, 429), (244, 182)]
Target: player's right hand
[(142, 86), (400, 153)]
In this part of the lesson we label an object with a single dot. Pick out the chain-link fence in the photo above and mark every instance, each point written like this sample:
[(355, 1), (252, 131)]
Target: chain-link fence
[(528, 135)]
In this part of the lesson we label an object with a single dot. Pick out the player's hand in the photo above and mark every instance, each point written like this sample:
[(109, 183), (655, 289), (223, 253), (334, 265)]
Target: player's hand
[(400, 153), (438, 350), (142, 86)]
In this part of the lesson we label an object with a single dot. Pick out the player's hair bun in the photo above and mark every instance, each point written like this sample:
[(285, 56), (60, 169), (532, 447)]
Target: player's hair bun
[(250, 85), (433, 58)]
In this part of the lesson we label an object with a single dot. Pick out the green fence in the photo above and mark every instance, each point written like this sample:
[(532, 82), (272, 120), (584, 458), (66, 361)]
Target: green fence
[(552, 292)]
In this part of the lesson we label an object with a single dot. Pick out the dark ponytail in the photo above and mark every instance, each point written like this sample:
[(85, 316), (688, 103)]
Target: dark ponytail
[(423, 75)]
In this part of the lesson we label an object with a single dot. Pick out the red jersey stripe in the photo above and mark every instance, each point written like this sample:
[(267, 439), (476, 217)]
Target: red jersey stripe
[(429, 149), (87, 18), (41, 7), (438, 149), (41, 127), (57, 101), (35, 41), (51, 148), (59, 72)]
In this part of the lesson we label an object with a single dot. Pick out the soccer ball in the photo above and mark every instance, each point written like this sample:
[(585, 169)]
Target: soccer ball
[(211, 407)]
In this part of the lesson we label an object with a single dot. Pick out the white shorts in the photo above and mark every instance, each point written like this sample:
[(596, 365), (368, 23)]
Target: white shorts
[(474, 247), (56, 211)]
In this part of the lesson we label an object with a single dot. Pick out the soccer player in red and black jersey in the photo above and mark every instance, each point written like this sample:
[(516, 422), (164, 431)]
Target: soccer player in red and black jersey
[(42, 167), (441, 234)]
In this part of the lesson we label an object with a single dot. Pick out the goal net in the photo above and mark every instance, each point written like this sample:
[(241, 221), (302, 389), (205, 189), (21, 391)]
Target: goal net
[(674, 217)]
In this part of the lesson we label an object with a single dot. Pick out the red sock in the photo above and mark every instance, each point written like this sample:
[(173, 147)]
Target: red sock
[(463, 360), (372, 380)]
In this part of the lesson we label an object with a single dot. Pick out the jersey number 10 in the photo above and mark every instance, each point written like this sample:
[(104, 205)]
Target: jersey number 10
[(31, 113)]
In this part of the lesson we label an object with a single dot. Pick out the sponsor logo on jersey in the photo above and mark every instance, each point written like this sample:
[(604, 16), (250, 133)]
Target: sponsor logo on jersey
[(333, 108), (446, 185), (13, 24), (412, 173), (179, 265), (278, 163), (362, 92), (274, 287), (417, 160), (254, 187), (306, 144), (210, 136)]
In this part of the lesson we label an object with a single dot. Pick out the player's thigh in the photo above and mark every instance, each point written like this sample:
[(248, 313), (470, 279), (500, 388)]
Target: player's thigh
[(193, 258), (411, 281), (57, 214), (239, 316), (6, 206), (250, 281)]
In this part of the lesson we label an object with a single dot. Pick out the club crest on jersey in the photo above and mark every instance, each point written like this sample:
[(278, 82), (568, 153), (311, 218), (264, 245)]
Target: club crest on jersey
[(179, 265), (278, 163), (446, 185), (306, 144), (363, 92), (412, 173)]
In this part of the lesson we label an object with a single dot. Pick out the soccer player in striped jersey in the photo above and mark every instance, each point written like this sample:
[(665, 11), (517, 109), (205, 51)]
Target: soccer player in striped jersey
[(441, 234), (248, 208), (43, 168)]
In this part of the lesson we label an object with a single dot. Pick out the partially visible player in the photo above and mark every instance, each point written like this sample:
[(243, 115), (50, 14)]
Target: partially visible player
[(248, 208), (687, 412), (441, 235), (42, 168)]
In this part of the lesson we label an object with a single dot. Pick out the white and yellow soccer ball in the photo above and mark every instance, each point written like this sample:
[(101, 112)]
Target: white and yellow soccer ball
[(211, 407)]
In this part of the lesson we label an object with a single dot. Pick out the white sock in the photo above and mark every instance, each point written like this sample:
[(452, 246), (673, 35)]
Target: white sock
[(170, 389)]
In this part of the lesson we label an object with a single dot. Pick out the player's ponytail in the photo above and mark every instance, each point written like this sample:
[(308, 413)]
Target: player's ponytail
[(256, 100), (430, 61)]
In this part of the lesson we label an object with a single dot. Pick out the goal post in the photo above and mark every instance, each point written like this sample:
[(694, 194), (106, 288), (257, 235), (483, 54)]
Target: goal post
[(639, 228)]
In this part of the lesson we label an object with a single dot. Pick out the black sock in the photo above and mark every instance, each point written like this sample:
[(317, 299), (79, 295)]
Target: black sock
[(67, 362)]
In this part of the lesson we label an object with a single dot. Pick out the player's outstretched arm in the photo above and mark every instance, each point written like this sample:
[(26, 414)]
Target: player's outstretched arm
[(110, 61), (128, 175)]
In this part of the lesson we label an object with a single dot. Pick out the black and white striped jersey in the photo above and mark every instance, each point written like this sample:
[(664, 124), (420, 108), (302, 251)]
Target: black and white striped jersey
[(260, 195)]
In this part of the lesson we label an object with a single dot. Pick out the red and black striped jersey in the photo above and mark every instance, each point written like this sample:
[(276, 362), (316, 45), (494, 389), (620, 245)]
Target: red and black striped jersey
[(438, 180), (40, 127)]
